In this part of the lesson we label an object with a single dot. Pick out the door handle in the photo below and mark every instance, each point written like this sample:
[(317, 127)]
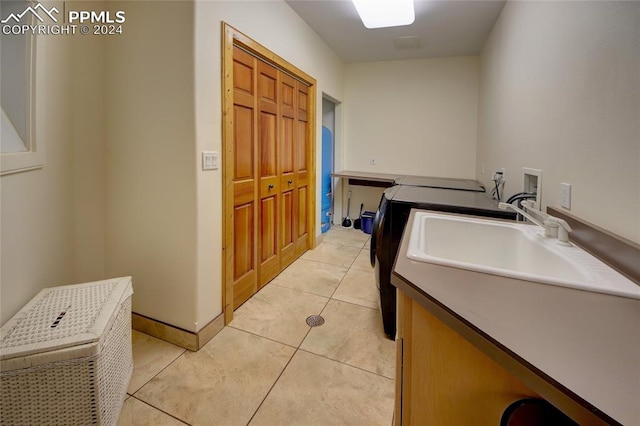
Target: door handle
[(289, 181), (270, 186)]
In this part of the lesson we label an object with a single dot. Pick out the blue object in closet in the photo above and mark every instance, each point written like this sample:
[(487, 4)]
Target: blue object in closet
[(327, 167)]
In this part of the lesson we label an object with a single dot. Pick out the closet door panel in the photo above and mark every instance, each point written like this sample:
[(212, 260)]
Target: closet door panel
[(268, 247), (287, 170), (302, 222), (244, 183), (286, 145), (244, 271), (288, 234), (302, 163), (243, 143), (268, 145)]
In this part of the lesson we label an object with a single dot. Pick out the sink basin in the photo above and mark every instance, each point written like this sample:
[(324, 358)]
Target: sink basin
[(511, 249)]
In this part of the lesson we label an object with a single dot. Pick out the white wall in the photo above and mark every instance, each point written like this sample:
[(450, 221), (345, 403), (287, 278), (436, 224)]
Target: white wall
[(277, 27), (151, 228), (88, 127), (560, 91), (51, 219), (417, 116)]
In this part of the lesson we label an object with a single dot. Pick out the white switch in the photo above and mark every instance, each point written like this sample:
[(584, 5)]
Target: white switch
[(209, 160), (373, 160), (565, 195)]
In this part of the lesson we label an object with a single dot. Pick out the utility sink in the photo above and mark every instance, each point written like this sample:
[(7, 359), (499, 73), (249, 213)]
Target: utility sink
[(511, 249)]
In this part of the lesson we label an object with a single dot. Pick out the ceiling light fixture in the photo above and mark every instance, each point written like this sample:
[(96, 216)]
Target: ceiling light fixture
[(385, 13)]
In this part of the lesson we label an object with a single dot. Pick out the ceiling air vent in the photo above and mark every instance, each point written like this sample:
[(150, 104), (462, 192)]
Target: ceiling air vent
[(409, 42)]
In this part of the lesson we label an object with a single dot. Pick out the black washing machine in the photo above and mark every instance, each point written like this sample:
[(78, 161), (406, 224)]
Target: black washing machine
[(462, 197)]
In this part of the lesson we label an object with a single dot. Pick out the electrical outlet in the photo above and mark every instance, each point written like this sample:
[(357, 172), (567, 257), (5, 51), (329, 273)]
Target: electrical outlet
[(373, 160), (565, 195)]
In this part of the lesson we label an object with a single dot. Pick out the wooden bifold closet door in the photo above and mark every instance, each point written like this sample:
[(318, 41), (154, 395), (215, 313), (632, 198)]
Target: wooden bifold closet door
[(271, 178)]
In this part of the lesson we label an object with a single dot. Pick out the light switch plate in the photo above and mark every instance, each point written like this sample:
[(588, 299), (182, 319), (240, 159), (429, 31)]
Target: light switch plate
[(565, 195), (209, 160)]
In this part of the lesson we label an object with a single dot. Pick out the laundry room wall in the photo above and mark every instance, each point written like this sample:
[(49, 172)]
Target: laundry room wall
[(560, 92), (415, 117)]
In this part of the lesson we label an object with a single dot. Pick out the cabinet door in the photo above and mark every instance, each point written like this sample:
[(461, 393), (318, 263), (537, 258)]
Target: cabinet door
[(444, 378), (269, 200), (244, 182)]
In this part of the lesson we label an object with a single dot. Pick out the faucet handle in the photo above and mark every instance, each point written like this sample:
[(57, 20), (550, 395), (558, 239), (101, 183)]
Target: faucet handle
[(563, 230)]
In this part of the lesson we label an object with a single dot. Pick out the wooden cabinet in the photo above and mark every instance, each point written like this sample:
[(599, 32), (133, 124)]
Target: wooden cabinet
[(271, 174), (443, 379)]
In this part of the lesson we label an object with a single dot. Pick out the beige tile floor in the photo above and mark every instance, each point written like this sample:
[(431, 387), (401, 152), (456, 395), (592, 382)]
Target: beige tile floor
[(268, 367)]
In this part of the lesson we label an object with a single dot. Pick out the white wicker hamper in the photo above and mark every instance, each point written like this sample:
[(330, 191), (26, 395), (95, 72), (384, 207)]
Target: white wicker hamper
[(66, 358)]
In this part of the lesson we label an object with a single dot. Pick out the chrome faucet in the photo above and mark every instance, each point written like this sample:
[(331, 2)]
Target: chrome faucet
[(553, 227)]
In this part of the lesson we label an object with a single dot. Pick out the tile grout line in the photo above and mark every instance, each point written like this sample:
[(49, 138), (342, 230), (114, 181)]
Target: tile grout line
[(340, 283), (155, 375), (263, 337), (348, 269), (355, 304), (296, 289), (333, 264), (337, 287), (348, 365), (156, 408), (272, 386)]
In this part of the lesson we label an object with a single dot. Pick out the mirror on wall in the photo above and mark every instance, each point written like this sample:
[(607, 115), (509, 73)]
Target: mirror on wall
[(17, 89)]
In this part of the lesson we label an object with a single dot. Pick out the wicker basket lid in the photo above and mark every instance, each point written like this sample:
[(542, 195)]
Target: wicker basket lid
[(70, 320)]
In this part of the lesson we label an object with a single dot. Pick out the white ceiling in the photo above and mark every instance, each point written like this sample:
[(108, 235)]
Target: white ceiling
[(443, 28)]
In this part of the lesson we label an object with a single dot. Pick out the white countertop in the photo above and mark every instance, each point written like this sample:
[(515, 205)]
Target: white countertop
[(582, 344)]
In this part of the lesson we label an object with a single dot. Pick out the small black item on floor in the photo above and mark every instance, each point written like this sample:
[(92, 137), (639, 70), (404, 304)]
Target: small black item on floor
[(357, 224), (346, 222), (534, 412)]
